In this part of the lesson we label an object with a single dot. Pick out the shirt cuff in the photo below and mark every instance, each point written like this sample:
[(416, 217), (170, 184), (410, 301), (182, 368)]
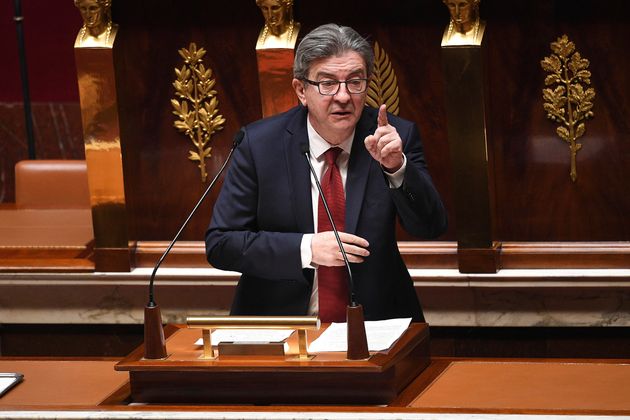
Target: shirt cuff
[(396, 179), (305, 250)]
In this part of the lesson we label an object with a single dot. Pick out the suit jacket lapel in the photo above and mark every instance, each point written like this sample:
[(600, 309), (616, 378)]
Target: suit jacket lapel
[(358, 170), (298, 171)]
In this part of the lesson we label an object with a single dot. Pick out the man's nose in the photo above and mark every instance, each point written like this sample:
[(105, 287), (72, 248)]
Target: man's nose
[(342, 94)]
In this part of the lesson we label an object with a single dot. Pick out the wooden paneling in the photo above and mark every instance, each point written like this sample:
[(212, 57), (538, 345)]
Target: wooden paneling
[(162, 185), (192, 254), (534, 197), (540, 342), (324, 378), (536, 201)]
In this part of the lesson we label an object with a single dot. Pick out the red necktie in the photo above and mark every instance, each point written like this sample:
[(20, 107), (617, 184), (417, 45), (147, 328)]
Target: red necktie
[(332, 281)]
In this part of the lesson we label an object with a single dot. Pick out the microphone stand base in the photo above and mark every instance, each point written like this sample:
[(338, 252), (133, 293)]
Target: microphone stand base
[(154, 343), (357, 340)]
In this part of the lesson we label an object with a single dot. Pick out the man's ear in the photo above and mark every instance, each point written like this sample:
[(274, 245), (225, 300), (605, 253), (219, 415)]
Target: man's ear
[(298, 86)]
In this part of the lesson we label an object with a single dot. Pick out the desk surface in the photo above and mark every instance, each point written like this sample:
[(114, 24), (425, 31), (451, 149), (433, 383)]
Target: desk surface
[(552, 386), (59, 389), (62, 382)]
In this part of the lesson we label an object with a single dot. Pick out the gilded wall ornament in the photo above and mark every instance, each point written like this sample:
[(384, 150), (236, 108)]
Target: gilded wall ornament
[(383, 87), (280, 30), (465, 26), (567, 100), (197, 109), (97, 31)]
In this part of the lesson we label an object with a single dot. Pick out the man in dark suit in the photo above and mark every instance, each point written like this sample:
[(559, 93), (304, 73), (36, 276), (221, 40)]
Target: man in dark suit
[(267, 221)]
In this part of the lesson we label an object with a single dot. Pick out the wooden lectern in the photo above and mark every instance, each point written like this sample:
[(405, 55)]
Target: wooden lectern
[(327, 378)]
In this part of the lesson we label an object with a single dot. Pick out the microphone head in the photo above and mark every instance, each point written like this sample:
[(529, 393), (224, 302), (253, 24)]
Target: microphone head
[(304, 147), (238, 137)]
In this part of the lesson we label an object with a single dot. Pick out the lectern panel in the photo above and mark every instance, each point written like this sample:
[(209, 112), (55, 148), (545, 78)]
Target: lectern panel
[(327, 378)]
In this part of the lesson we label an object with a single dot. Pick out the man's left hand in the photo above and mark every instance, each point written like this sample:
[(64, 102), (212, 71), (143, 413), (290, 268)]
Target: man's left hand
[(385, 145)]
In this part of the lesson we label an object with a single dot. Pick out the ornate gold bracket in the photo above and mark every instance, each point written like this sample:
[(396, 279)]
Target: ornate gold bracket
[(383, 87), (198, 112), (568, 102)]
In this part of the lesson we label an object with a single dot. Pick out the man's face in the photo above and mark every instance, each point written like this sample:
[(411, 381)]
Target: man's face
[(90, 12), (462, 11), (333, 117), (274, 13)]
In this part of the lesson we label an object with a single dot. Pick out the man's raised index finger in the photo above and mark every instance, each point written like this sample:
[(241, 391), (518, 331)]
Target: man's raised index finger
[(382, 116)]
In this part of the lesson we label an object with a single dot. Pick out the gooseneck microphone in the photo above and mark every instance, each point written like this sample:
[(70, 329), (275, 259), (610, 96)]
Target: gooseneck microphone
[(352, 297), (154, 343), (356, 337)]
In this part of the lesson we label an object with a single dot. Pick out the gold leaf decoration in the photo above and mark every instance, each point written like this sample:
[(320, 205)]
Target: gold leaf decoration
[(566, 100), (196, 105), (383, 87)]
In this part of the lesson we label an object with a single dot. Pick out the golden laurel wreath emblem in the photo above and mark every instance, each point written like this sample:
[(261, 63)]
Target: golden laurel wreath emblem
[(383, 86), (567, 101), (196, 105)]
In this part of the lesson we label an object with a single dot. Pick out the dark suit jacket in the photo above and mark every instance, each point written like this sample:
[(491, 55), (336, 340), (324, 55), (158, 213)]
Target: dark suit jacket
[(264, 208)]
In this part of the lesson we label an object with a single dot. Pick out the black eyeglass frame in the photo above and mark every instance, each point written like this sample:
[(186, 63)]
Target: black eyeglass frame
[(338, 83)]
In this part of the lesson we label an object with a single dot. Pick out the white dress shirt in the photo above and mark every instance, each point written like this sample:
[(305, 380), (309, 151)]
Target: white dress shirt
[(318, 146)]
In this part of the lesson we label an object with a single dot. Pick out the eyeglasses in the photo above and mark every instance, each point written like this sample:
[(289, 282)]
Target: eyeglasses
[(331, 87)]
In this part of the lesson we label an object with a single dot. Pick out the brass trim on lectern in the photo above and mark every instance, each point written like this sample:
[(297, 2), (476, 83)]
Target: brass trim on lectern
[(209, 323)]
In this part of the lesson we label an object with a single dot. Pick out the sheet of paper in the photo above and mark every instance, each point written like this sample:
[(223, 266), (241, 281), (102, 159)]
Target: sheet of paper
[(380, 335), (8, 381), (247, 336)]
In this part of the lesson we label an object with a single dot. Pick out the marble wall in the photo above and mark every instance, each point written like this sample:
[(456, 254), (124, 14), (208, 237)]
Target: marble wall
[(511, 298)]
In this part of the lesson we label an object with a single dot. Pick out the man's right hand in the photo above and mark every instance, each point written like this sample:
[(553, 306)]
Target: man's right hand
[(325, 250)]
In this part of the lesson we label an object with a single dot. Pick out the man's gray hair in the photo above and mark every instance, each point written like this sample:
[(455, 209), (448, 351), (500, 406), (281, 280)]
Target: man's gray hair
[(330, 40)]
